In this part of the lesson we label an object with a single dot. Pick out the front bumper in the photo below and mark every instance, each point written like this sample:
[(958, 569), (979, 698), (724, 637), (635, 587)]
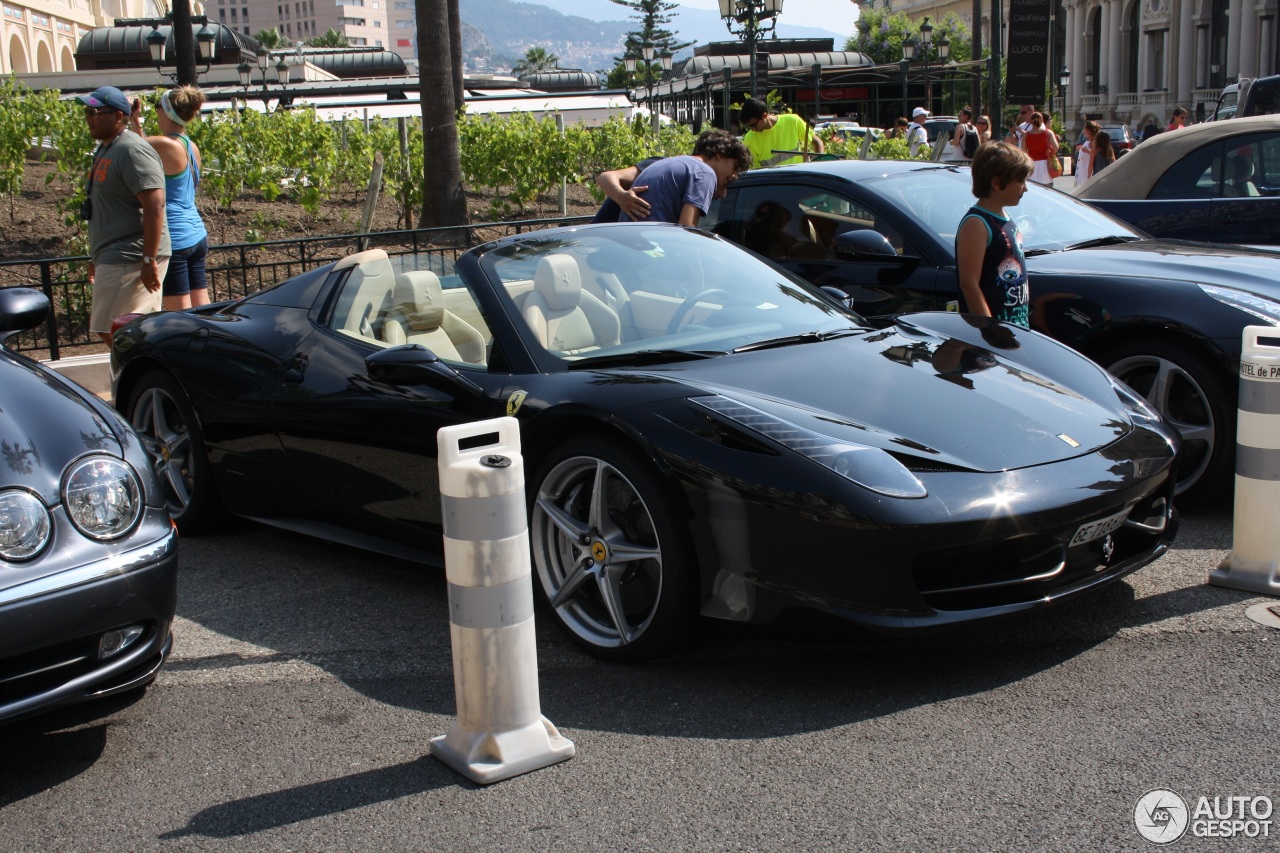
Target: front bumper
[(50, 628)]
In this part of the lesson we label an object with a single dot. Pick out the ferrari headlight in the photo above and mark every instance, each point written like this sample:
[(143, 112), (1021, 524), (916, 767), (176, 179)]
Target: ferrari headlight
[(869, 467), (24, 525), (1139, 409), (1266, 310), (102, 496)]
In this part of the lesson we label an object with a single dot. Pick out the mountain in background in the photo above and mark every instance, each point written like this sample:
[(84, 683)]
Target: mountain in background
[(510, 28)]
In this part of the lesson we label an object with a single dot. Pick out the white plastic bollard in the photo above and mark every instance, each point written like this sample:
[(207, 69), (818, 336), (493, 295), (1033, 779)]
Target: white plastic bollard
[(499, 731), (1254, 562)]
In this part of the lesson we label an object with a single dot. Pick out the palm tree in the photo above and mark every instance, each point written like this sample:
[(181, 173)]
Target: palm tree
[(535, 59), (331, 38), (270, 39)]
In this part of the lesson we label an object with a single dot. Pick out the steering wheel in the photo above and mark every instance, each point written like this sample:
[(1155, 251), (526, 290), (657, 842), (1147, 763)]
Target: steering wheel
[(677, 319)]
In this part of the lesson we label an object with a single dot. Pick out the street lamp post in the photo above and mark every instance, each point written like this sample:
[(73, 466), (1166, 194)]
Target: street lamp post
[(263, 58), (925, 50), (817, 89), (753, 19), (1064, 79), (157, 44), (727, 73)]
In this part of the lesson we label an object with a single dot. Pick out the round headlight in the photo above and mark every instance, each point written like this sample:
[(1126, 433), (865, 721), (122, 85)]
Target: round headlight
[(103, 497), (24, 525)]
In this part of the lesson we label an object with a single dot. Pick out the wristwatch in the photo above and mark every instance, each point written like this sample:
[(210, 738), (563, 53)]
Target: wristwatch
[(147, 259)]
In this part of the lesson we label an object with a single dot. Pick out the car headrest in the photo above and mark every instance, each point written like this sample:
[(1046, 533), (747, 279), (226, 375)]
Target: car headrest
[(558, 281), (1239, 168), (420, 299)]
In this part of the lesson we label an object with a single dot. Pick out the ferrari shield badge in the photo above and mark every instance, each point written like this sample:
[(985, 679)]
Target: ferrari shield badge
[(515, 401)]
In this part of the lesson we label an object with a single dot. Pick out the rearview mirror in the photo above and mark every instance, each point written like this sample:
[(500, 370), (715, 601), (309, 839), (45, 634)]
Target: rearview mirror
[(864, 245), (414, 364)]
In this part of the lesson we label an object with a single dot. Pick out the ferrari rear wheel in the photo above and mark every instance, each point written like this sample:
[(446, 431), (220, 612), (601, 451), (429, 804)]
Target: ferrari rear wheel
[(613, 558), (160, 412), (1188, 393)]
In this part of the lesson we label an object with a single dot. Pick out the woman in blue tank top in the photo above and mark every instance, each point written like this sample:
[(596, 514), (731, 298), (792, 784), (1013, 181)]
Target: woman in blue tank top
[(185, 283)]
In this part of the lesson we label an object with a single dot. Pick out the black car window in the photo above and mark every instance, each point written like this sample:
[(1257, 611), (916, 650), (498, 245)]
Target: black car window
[(1196, 175), (786, 223)]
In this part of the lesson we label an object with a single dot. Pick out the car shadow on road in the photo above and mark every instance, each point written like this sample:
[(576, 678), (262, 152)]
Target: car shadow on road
[(379, 624)]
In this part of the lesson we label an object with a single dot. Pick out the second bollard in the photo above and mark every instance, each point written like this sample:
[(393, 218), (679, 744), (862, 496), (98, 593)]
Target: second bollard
[(1254, 562), (499, 731)]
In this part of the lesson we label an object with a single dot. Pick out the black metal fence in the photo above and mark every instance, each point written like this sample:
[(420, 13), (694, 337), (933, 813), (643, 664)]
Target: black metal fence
[(237, 270)]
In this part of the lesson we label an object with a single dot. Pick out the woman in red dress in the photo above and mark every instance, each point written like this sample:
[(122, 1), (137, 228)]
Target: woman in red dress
[(1039, 142)]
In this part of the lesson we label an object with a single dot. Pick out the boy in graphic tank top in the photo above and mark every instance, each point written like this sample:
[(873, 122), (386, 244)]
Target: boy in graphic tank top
[(991, 267)]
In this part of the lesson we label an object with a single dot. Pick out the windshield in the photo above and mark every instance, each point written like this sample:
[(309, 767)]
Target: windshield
[(937, 199), (643, 293)]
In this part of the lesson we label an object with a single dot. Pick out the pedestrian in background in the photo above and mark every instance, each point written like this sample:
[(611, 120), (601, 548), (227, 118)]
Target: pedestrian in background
[(991, 267), (1039, 141), (776, 140), (916, 134), (1104, 154), (1179, 119), (1021, 125), (186, 283), (622, 194), (899, 128), (680, 189), (1084, 152), (1151, 130), (128, 238), (983, 126), (964, 140)]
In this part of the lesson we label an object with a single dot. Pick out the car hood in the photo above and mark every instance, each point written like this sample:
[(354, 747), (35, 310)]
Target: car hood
[(44, 424), (1250, 270), (931, 386)]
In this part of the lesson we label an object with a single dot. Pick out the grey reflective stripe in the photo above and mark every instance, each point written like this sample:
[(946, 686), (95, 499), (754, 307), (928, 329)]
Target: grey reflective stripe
[(483, 519), (1260, 397), (491, 606), (1257, 463), (778, 158)]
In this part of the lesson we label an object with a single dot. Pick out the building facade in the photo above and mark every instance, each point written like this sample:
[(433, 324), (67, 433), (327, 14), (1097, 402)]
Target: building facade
[(1134, 60), (42, 35)]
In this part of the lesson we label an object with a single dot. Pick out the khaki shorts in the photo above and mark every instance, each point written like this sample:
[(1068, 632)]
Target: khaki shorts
[(118, 289)]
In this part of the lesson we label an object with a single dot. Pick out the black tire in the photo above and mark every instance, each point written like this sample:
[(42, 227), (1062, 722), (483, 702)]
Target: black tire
[(618, 609), (1195, 398), (162, 415)]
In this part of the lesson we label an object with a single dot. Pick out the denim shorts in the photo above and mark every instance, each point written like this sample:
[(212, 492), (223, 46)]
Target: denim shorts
[(186, 270)]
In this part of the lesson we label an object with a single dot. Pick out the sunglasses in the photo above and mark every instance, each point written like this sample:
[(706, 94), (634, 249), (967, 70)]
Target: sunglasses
[(90, 112)]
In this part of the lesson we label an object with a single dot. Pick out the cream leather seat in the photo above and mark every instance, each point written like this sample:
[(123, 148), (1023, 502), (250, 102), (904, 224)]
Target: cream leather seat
[(418, 316), (371, 284), (563, 316)]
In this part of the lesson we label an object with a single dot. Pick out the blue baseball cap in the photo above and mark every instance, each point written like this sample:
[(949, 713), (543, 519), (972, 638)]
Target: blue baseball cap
[(107, 96)]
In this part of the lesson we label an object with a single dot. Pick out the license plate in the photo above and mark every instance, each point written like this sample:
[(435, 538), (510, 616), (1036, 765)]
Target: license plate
[(1097, 529)]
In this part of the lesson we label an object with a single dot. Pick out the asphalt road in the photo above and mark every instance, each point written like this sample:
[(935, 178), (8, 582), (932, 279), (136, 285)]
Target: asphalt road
[(308, 678)]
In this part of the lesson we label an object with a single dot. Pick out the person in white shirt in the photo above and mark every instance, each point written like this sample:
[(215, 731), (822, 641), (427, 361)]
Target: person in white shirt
[(916, 135), (1021, 126)]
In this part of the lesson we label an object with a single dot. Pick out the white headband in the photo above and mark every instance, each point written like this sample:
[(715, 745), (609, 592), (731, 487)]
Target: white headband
[(170, 111)]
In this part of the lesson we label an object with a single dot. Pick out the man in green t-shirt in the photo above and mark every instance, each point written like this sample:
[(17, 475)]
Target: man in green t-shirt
[(775, 140)]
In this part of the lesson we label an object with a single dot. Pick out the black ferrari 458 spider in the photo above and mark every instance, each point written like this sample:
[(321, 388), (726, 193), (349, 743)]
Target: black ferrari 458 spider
[(703, 431)]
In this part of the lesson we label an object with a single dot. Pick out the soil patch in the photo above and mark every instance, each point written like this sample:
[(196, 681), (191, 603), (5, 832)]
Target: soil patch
[(34, 227)]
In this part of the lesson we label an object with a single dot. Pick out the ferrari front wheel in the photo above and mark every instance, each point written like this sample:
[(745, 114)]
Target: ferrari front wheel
[(612, 557), (160, 412)]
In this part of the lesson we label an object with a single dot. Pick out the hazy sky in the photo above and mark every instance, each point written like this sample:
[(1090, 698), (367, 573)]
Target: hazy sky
[(835, 15)]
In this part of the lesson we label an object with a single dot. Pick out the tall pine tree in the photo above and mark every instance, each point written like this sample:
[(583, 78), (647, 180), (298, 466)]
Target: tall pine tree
[(653, 15)]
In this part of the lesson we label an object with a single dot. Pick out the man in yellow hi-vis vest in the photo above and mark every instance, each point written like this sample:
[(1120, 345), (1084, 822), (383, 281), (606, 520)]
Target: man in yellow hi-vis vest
[(773, 139)]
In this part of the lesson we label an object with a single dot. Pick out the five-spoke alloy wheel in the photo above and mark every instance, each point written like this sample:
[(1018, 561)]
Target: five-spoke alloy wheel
[(159, 411), (612, 557), (1181, 386)]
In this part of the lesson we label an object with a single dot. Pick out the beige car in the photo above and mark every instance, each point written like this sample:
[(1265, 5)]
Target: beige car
[(1215, 182)]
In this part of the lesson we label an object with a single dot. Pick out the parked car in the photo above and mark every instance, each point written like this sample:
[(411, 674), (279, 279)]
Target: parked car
[(1122, 139), (88, 557), (1218, 181), (945, 125), (849, 130), (685, 435), (1258, 96), (1164, 316)]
